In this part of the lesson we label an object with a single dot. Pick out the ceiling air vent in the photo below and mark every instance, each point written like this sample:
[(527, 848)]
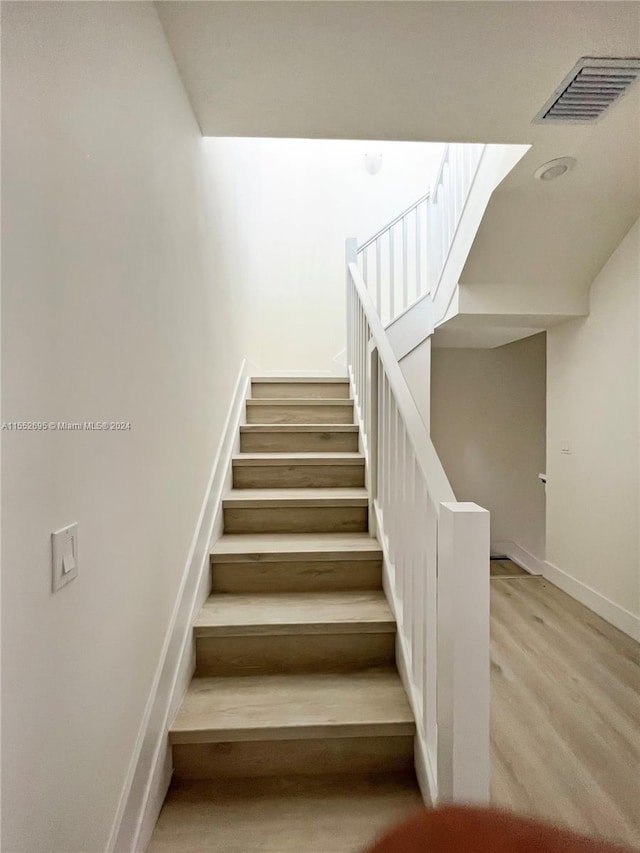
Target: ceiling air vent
[(591, 87)]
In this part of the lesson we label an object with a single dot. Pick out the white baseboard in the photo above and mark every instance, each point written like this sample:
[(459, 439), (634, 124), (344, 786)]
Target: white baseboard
[(150, 768), (611, 612), (520, 556), (424, 772)]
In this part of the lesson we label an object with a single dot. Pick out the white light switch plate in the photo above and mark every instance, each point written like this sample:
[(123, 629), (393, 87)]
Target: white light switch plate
[(564, 447), (64, 556)]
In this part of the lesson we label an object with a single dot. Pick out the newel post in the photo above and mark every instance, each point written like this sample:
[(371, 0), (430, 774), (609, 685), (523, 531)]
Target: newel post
[(351, 250), (463, 671)]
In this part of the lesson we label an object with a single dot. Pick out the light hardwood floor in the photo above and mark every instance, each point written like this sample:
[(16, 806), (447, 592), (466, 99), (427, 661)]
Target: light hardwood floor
[(565, 712), (508, 569)]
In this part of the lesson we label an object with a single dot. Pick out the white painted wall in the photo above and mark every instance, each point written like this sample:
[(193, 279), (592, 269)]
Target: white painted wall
[(592, 403), (292, 204), (112, 309), (488, 426)]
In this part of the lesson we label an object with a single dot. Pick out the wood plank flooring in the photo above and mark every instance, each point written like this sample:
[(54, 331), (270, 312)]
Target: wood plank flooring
[(508, 569), (565, 712)]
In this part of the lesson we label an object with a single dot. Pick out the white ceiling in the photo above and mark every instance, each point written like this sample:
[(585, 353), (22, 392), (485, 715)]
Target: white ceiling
[(431, 71), (435, 71)]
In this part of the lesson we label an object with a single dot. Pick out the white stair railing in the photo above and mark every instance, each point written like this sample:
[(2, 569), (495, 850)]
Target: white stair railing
[(451, 189), (436, 565), (405, 260), (393, 262)]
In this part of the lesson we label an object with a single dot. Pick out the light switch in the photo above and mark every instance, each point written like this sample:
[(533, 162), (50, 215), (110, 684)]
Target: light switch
[(64, 556), (564, 447)]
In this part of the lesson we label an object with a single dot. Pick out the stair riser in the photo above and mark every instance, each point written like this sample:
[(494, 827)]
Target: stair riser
[(286, 576), (299, 442), (297, 476), (300, 390), (299, 414), (308, 519), (270, 655), (317, 756)]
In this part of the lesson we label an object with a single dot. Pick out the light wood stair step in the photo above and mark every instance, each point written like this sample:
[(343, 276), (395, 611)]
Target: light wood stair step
[(300, 411), (286, 510), (353, 756), (291, 470), (287, 814), (293, 438), (295, 688), (301, 387), (295, 497), (293, 707), (280, 562), (295, 613), (302, 458), (294, 546), (294, 632)]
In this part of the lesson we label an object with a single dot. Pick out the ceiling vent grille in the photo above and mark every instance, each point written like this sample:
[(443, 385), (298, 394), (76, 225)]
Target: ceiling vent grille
[(591, 88)]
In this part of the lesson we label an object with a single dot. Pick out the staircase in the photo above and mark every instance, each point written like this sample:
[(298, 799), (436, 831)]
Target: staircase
[(295, 733)]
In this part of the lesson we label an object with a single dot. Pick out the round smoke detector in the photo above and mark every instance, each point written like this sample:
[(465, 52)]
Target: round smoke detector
[(554, 169)]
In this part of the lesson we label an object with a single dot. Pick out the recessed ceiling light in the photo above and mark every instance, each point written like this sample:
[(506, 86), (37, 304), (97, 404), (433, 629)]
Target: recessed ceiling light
[(554, 169)]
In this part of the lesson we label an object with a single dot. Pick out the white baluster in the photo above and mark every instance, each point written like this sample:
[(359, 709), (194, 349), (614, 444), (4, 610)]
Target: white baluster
[(363, 378), (405, 264), (418, 277), (351, 256), (392, 271), (373, 435), (378, 275), (438, 549), (417, 645), (384, 486)]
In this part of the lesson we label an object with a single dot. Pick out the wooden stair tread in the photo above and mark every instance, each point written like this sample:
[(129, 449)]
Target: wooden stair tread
[(291, 613), (300, 380), (295, 648), (299, 401), (295, 546), (296, 497), (332, 814), (299, 428), (318, 458), (293, 706)]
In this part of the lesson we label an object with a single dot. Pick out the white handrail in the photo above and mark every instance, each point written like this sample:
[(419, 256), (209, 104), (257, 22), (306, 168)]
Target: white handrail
[(444, 160), (458, 170), (397, 260), (426, 454), (436, 563), (406, 259), (393, 222)]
